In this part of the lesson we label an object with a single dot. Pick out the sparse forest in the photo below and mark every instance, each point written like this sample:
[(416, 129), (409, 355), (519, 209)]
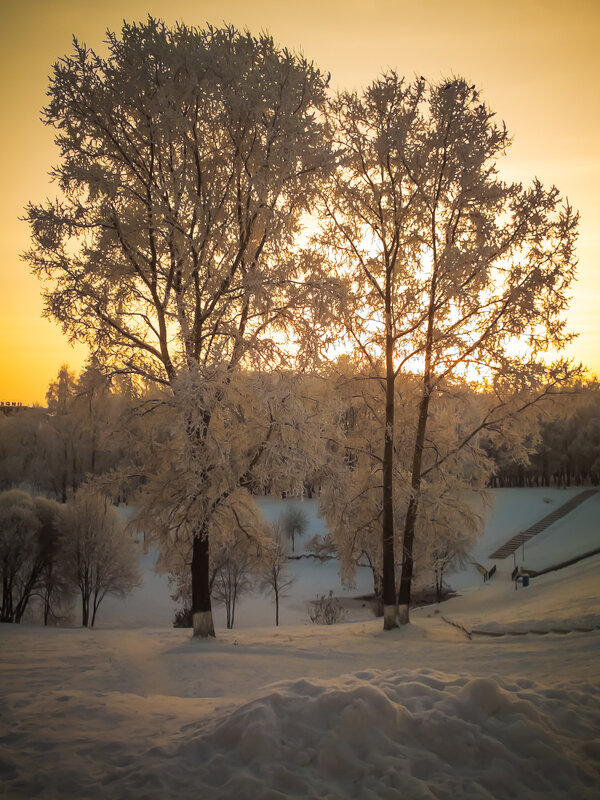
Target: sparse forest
[(284, 291)]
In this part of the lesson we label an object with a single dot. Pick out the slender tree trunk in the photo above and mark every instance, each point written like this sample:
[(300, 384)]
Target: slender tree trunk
[(64, 476), (439, 583), (389, 567), (6, 600), (378, 592), (413, 505), (276, 606), (27, 590), (22, 605), (411, 513), (85, 610), (233, 599), (93, 430), (93, 454), (74, 482), (95, 607), (201, 607)]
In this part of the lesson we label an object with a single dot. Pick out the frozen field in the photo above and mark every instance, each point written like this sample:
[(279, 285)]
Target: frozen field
[(324, 712)]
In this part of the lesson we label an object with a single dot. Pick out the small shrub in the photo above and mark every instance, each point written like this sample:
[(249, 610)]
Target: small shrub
[(326, 610), (183, 618)]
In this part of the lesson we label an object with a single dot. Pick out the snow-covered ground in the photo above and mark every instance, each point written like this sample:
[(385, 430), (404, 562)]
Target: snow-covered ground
[(344, 711)]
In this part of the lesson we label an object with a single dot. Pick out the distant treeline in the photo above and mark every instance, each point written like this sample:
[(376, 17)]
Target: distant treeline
[(93, 425), (565, 449), (81, 433)]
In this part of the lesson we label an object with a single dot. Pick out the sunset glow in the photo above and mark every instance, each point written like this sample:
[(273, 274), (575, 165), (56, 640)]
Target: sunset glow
[(536, 65)]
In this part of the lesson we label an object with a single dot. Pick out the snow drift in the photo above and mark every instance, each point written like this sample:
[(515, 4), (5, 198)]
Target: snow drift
[(421, 733), (372, 734)]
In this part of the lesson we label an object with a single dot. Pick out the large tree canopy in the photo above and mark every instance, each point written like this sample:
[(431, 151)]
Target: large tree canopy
[(187, 160), (450, 272)]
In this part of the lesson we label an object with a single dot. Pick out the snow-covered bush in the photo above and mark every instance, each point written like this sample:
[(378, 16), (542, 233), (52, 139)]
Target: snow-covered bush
[(21, 561), (273, 568), (326, 610), (99, 555)]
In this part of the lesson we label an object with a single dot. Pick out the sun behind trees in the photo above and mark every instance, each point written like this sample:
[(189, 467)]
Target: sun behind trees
[(445, 271), (187, 160)]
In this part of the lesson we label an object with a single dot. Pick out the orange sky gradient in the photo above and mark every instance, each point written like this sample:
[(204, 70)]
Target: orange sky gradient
[(536, 63)]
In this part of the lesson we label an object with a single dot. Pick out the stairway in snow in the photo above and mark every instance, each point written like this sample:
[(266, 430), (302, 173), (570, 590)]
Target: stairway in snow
[(513, 544)]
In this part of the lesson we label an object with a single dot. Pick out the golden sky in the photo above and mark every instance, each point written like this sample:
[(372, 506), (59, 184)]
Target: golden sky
[(536, 63)]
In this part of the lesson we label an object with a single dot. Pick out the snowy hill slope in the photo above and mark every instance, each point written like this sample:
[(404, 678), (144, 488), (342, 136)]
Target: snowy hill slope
[(344, 711), (506, 512)]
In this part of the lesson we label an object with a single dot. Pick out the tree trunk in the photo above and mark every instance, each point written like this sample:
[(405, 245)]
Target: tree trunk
[(377, 592), (6, 600), (95, 606), (413, 507), (201, 607), (85, 611), (27, 590), (64, 481), (233, 599), (407, 561), (276, 606), (21, 606), (389, 567)]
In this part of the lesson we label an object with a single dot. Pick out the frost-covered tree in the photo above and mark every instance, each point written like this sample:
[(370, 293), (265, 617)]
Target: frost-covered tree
[(30, 555), (264, 434), (52, 586), (187, 158), (22, 558), (563, 444), (66, 430), (99, 556), (233, 563), (52, 450), (27, 444), (351, 499), (294, 523), (274, 566), (450, 272)]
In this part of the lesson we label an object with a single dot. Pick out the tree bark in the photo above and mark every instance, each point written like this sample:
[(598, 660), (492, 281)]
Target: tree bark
[(95, 606), (411, 513), (7, 612), (46, 607), (201, 606), (389, 571)]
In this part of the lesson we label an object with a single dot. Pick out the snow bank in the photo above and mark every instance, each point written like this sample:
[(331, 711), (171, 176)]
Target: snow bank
[(422, 734), (373, 734), (268, 713)]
